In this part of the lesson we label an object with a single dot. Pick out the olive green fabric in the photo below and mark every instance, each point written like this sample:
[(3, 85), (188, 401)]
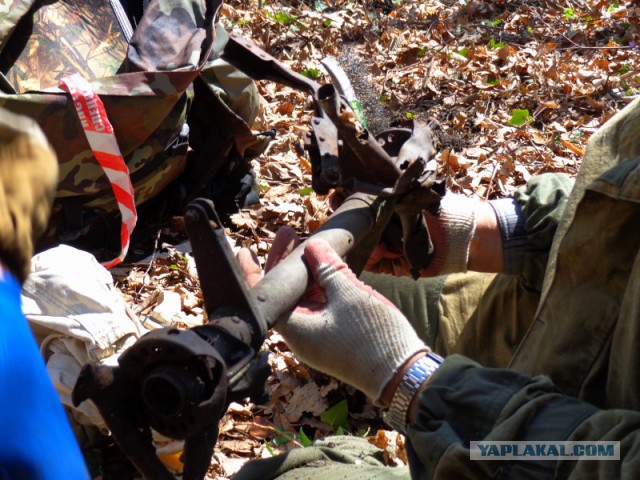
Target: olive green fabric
[(464, 401), (338, 457), (481, 315), (417, 299), (587, 327), (28, 175)]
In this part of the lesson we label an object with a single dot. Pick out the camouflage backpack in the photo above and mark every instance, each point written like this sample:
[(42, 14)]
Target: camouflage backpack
[(176, 108)]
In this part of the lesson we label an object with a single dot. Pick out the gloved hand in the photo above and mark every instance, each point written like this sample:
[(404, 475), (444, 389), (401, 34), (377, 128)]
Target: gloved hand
[(28, 177), (451, 232), (346, 329)]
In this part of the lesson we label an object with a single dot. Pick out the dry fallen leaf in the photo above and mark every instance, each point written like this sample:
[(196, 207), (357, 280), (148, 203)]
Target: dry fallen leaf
[(468, 66), (574, 148)]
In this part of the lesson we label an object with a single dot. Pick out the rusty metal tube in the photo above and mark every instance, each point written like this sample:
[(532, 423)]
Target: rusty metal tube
[(283, 287)]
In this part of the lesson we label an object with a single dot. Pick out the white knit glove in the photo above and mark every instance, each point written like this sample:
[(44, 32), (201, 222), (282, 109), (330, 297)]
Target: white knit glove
[(450, 231), (346, 329)]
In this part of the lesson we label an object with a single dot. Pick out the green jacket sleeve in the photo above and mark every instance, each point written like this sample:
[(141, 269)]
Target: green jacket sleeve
[(464, 402), (528, 223)]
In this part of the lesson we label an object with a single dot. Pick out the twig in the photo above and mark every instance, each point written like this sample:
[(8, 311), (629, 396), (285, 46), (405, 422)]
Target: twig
[(138, 292), (584, 47), (493, 176), (290, 436), (155, 251)]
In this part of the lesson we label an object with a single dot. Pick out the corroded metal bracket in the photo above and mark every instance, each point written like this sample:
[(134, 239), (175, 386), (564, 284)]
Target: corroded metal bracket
[(179, 382)]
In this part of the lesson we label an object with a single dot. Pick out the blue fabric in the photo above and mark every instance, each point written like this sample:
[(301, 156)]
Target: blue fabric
[(514, 234), (36, 441)]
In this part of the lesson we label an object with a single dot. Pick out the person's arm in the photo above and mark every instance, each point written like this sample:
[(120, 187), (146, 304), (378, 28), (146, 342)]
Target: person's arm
[(36, 440), (485, 247), (28, 178), (510, 235), (351, 332), (463, 402), (465, 235)]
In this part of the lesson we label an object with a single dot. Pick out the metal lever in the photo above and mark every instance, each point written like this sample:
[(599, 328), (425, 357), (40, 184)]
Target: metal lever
[(180, 382), (224, 289)]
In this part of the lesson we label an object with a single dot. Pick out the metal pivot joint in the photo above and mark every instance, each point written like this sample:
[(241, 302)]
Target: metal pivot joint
[(180, 382)]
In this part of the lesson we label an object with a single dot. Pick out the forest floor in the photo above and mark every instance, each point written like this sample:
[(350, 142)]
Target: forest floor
[(518, 88)]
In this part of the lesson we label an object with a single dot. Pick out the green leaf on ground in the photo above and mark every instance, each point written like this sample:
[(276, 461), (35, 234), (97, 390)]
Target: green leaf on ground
[(281, 18), (282, 438), (304, 439), (520, 117), (312, 73), (337, 416), (268, 447), (305, 191)]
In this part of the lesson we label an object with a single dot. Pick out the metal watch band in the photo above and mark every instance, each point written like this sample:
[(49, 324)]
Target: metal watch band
[(396, 416)]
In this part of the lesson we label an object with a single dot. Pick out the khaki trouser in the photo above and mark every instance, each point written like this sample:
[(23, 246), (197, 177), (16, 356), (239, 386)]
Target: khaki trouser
[(485, 316)]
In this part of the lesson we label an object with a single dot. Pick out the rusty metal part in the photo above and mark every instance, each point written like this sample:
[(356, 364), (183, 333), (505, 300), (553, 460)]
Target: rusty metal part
[(224, 289), (245, 55), (415, 189), (345, 155), (366, 168), (325, 160), (358, 256), (116, 397), (180, 382), (410, 149), (170, 380), (421, 192), (281, 288), (381, 172)]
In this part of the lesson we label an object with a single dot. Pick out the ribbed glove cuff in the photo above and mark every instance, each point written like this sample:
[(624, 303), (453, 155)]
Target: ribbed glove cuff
[(457, 227)]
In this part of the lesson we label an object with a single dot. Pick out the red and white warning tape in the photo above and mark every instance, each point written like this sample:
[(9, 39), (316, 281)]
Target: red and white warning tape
[(102, 141)]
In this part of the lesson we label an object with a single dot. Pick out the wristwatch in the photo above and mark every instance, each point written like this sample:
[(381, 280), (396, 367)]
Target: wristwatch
[(396, 416)]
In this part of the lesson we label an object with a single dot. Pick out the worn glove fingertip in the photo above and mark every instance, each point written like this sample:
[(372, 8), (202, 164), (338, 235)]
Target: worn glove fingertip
[(318, 252)]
